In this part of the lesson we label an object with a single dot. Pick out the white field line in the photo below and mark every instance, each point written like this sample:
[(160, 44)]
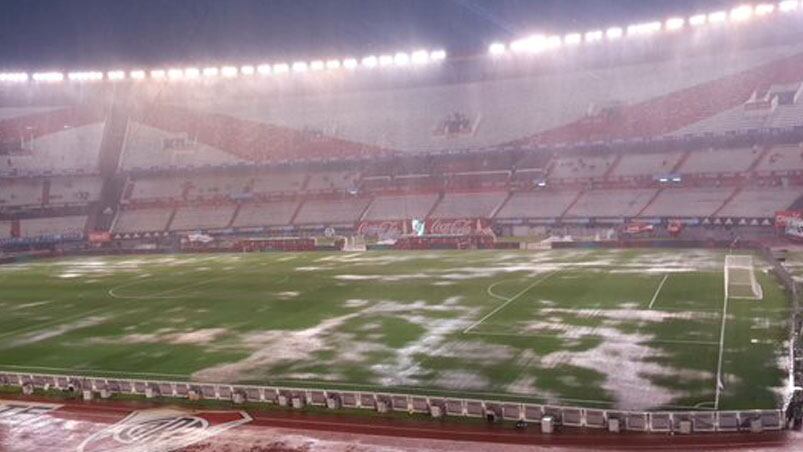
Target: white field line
[(493, 294), (161, 295), (718, 381), (74, 371), (510, 300), (589, 336), (658, 290), (58, 321)]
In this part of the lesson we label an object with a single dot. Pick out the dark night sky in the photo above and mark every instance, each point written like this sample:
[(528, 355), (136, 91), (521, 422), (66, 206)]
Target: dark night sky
[(89, 34)]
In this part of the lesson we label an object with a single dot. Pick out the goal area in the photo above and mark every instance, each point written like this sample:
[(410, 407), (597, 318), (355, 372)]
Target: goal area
[(740, 278)]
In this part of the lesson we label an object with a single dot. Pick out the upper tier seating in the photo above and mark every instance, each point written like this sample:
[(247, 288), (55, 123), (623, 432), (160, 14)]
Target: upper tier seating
[(332, 180), (74, 190), (331, 211), (468, 205), (266, 214), (400, 207), (538, 204), (760, 202), (142, 220), (290, 182), (37, 227), (581, 167), (720, 161), (611, 203), (647, 164), (687, 202), (21, 192), (217, 185), (202, 217), (782, 159), (157, 188)]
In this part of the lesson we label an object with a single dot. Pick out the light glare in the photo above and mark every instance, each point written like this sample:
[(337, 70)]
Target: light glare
[(281, 68), (573, 39), (137, 74), (48, 76), (264, 69), (317, 65), (788, 6), (614, 33), (14, 77), (674, 23), (370, 61), (247, 70), (437, 55), (211, 71), (350, 63), (87, 76), (594, 36), (717, 17), (333, 64), (698, 20), (742, 13), (764, 9), (115, 75)]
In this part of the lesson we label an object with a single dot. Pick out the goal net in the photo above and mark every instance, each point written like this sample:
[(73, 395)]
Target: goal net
[(355, 243), (740, 278)]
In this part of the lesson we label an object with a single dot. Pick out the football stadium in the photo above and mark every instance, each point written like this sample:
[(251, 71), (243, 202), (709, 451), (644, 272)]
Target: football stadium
[(586, 229)]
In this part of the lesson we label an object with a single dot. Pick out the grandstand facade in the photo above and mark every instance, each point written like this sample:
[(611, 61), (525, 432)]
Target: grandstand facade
[(669, 130)]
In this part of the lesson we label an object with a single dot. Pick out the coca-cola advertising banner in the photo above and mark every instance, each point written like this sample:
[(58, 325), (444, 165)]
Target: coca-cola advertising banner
[(782, 217), (391, 229), (457, 226)]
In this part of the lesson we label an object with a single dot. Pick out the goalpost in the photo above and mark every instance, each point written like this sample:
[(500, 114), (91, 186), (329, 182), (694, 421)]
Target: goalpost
[(740, 278)]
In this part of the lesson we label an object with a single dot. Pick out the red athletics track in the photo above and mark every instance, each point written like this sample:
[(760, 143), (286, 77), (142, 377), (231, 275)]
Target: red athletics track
[(36, 424)]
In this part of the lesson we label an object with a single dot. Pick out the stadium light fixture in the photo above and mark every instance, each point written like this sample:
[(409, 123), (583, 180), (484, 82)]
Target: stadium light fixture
[(573, 39), (264, 69), (333, 64), (553, 42), (317, 65), (300, 66), (420, 57), (247, 70), (281, 68), (698, 20), (192, 73), (764, 9), (717, 17), (158, 74), (401, 59), (594, 36), (741, 13), (614, 33), (175, 74), (228, 71), (137, 74), (15, 77), (497, 48), (385, 60), (350, 63), (85, 76), (644, 29), (532, 44), (115, 75), (370, 61), (674, 23), (210, 71), (437, 55), (48, 76), (788, 6)]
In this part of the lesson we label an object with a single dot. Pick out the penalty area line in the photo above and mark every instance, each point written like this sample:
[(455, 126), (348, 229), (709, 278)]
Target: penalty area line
[(510, 300), (658, 290)]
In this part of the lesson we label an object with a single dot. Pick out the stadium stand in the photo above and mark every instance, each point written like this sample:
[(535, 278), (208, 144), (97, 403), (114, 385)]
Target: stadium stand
[(611, 203), (721, 161), (21, 192), (210, 186), (277, 183), (202, 217), (782, 159), (142, 220), (163, 187), (331, 211), (469, 205), (266, 214), (38, 227), (760, 202), (539, 204), (688, 202), (332, 181), (646, 164), (74, 190), (400, 207), (581, 167), (5, 230)]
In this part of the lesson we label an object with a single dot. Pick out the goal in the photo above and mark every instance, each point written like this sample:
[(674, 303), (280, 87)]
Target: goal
[(355, 243), (740, 278)]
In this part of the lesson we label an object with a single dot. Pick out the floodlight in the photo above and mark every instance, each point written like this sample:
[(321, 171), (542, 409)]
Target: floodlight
[(247, 70), (14, 77), (644, 29), (228, 71), (350, 63), (717, 17), (264, 69), (211, 71), (420, 57), (48, 76), (370, 61), (300, 66), (115, 75), (497, 48), (594, 36), (437, 55), (317, 65), (333, 64), (158, 74), (787, 6), (741, 13), (192, 72), (385, 60), (137, 74), (532, 44), (175, 74), (764, 9), (674, 23), (573, 39), (401, 59), (553, 42), (87, 76), (281, 68), (698, 20)]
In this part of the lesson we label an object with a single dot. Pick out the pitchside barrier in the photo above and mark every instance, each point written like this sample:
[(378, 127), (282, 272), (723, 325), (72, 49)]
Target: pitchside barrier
[(614, 420)]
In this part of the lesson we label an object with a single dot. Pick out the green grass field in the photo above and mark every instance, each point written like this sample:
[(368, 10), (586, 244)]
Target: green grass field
[(614, 329)]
